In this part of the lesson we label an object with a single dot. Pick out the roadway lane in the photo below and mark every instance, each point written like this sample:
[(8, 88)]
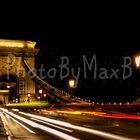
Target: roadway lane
[(124, 127), (18, 132), (67, 127)]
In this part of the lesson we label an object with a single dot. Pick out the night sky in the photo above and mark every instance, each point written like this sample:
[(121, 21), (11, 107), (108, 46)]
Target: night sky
[(73, 38)]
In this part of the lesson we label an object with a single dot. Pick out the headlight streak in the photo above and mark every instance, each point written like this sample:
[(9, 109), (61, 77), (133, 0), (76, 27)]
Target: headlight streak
[(29, 130), (47, 119), (16, 110), (68, 130), (88, 130), (44, 128)]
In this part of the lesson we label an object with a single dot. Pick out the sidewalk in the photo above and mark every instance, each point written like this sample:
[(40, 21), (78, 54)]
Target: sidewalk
[(3, 135)]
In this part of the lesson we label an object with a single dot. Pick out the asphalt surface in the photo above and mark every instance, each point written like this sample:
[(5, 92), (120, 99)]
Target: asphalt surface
[(64, 126), (3, 135)]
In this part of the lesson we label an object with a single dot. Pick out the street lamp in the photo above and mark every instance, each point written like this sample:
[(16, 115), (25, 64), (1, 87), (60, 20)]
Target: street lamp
[(29, 95), (40, 92), (71, 83), (71, 86), (44, 95), (8, 86), (137, 61), (16, 100), (29, 98)]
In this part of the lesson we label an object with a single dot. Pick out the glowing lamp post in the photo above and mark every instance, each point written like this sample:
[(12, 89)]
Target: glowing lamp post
[(71, 86), (40, 92), (44, 95), (8, 86), (29, 98), (71, 83), (137, 61), (29, 95)]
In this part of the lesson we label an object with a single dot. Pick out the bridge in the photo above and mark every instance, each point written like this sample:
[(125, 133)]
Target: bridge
[(69, 117), (17, 61)]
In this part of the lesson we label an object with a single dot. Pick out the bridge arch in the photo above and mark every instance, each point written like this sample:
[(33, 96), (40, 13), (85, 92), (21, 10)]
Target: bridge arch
[(12, 53), (8, 82)]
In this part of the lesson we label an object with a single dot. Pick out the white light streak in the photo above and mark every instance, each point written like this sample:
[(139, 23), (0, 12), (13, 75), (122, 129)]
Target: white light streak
[(44, 128), (47, 119), (15, 110), (88, 130), (29, 130), (68, 130)]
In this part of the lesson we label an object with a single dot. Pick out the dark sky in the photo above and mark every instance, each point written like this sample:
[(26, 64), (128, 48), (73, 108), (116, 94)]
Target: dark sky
[(108, 38)]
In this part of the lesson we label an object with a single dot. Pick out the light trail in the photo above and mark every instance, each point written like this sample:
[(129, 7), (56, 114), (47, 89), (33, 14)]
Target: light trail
[(88, 130), (29, 130), (120, 116), (68, 130), (16, 110), (47, 119), (42, 127), (100, 114)]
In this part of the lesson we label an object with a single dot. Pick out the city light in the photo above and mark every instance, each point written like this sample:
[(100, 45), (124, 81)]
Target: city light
[(16, 100), (40, 91), (8, 86), (91, 105), (44, 95), (72, 83), (137, 61), (29, 95)]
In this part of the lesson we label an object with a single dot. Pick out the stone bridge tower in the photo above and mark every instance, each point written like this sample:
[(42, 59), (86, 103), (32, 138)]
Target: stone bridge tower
[(12, 53)]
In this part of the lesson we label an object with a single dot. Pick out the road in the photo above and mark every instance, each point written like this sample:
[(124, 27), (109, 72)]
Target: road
[(44, 126)]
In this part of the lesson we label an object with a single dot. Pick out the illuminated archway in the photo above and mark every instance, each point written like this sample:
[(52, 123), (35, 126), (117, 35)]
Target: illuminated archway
[(12, 53), (8, 88)]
